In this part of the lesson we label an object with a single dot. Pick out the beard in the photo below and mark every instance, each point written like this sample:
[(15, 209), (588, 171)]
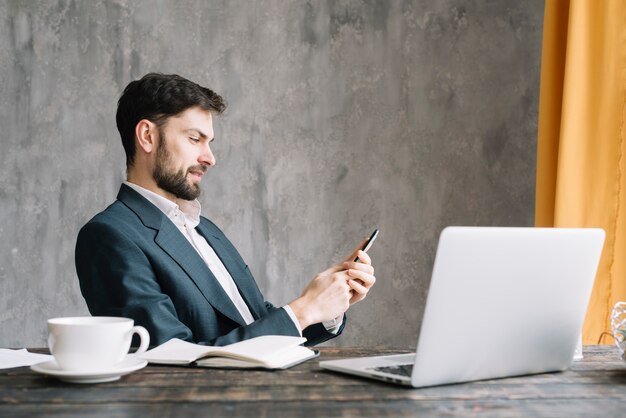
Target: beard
[(172, 181)]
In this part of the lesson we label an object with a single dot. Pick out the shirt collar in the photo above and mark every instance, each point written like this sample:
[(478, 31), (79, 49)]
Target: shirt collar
[(189, 209)]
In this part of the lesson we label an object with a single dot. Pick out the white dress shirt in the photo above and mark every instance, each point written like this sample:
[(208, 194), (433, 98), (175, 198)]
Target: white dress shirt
[(186, 217)]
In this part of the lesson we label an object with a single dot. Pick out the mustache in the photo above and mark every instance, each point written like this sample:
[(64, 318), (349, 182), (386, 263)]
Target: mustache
[(200, 168)]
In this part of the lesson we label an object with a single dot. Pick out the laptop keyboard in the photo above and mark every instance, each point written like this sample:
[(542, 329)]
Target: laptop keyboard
[(399, 369)]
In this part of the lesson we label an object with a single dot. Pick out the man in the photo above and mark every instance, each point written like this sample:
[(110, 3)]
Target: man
[(151, 257)]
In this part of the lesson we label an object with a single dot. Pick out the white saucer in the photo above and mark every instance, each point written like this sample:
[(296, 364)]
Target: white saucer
[(51, 368)]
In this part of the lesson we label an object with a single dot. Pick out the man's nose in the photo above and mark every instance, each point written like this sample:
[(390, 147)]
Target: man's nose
[(207, 157)]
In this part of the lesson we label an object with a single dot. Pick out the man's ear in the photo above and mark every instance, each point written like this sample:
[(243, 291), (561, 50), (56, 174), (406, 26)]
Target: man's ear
[(146, 135)]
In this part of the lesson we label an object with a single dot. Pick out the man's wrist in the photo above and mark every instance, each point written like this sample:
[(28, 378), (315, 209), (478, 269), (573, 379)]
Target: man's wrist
[(333, 325), (298, 307)]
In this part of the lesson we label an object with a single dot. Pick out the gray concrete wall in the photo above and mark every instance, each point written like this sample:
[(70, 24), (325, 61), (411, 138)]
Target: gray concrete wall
[(344, 116)]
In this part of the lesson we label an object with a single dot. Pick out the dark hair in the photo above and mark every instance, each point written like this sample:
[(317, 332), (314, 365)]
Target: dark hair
[(157, 97)]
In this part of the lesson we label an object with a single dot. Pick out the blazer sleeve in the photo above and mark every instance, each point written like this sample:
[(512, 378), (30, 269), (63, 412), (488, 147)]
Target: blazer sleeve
[(316, 333)]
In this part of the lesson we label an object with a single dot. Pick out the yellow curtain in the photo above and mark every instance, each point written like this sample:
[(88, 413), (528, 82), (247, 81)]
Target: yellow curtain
[(581, 152)]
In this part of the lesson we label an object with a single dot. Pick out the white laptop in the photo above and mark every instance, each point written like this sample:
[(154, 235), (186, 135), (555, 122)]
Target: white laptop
[(502, 302)]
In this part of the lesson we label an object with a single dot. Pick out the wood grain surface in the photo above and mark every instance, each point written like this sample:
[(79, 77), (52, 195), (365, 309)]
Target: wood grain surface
[(595, 386)]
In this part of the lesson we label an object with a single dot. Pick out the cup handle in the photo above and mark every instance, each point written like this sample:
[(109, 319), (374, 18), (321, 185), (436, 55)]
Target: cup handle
[(143, 336)]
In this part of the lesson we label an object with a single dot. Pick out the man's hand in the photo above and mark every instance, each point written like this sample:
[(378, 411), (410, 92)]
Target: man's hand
[(327, 296), (361, 275), (332, 291)]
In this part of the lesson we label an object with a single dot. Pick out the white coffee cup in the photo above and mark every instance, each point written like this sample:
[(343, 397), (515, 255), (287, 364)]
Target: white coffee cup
[(92, 343)]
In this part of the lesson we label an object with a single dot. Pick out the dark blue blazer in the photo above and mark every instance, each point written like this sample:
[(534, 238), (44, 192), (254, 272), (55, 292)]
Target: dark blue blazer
[(133, 262)]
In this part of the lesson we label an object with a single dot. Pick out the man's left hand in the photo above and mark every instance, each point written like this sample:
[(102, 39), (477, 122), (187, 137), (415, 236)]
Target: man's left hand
[(361, 273)]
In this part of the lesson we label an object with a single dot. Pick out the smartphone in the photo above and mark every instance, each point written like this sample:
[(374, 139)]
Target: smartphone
[(368, 243)]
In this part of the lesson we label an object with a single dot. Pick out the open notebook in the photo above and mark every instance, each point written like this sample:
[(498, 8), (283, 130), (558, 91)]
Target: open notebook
[(267, 351)]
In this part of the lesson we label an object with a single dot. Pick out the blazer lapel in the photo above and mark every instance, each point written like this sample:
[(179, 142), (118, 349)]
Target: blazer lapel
[(173, 242), (242, 277)]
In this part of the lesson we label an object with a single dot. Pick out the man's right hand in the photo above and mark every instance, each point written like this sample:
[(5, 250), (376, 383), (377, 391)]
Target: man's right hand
[(326, 297)]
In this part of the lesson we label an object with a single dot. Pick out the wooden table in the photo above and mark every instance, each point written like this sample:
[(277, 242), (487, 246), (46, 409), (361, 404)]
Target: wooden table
[(595, 386)]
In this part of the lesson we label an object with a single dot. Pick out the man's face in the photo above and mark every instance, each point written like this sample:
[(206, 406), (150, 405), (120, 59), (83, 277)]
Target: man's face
[(184, 154)]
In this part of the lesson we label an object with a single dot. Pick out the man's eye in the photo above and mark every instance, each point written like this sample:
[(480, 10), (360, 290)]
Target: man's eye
[(194, 139)]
